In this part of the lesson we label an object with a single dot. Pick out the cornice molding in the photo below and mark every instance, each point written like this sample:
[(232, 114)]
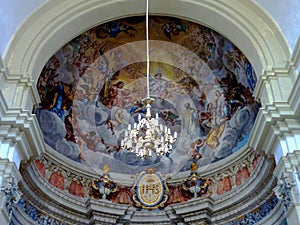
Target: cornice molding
[(246, 197), (237, 160), (275, 84), (28, 140), (224, 207), (294, 99), (9, 170), (275, 217), (19, 127), (295, 58), (288, 164), (26, 97), (280, 131), (48, 199)]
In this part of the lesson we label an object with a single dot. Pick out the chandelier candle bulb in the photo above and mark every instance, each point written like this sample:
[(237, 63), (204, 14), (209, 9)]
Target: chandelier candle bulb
[(171, 140), (148, 114), (129, 144)]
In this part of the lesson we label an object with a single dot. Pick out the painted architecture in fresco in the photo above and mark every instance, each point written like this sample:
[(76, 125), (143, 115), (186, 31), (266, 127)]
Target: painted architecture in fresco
[(91, 89)]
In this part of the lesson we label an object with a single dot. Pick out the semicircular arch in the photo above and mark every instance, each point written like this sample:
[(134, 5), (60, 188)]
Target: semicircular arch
[(55, 23)]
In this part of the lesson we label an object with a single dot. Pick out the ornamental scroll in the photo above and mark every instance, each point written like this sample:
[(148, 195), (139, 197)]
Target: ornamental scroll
[(150, 190)]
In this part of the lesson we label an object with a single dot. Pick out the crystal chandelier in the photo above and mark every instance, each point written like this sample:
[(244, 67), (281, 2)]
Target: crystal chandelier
[(148, 137)]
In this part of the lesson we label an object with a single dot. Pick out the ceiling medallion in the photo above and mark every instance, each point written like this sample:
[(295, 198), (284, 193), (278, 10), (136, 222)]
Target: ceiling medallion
[(150, 190), (148, 137)]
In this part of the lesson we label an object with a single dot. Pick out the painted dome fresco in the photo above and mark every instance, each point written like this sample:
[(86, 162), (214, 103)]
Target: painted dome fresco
[(92, 87)]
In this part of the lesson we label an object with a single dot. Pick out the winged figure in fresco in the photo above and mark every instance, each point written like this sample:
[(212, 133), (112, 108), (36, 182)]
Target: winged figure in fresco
[(171, 28), (188, 82), (113, 29)]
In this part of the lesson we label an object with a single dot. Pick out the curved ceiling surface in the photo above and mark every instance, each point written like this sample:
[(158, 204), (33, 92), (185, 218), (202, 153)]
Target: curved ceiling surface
[(91, 89)]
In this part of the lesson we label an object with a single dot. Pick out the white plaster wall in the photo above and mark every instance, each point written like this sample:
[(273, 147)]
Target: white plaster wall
[(12, 15), (287, 15)]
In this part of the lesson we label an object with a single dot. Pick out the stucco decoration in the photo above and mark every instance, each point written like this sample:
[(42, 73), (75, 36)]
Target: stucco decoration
[(91, 89)]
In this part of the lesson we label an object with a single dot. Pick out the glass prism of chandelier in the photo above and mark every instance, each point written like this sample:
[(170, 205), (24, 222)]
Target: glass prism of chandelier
[(148, 137)]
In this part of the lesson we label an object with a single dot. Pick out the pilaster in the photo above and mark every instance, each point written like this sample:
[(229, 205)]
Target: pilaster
[(20, 135), (277, 127)]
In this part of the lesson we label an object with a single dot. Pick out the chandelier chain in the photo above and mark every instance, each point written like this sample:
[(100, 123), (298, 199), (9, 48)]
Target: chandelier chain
[(147, 48)]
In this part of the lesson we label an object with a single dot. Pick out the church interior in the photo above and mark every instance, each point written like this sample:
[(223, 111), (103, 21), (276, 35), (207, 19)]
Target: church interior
[(149, 112)]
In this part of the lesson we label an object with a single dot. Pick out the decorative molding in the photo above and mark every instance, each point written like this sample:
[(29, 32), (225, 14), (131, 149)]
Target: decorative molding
[(50, 200), (36, 42), (12, 195), (295, 58), (284, 191), (278, 120), (280, 131), (8, 171), (48, 164), (288, 164), (28, 214), (19, 127), (259, 191), (271, 119), (294, 99), (275, 83), (22, 133), (31, 57), (24, 89), (46, 198)]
